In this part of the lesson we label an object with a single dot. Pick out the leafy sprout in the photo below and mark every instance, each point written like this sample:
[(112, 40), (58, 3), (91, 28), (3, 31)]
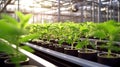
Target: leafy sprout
[(15, 32), (108, 30)]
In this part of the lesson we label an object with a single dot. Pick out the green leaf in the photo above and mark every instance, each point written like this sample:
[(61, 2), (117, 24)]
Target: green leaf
[(99, 34), (20, 15), (10, 19), (23, 18), (26, 38), (25, 21), (93, 45), (8, 28), (9, 31), (80, 45), (114, 48), (61, 41)]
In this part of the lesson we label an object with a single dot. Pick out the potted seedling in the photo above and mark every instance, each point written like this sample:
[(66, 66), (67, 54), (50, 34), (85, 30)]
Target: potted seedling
[(99, 33), (13, 32), (72, 37), (54, 34), (111, 31), (56, 30), (59, 47), (58, 34), (42, 30), (46, 35), (84, 51), (34, 28), (46, 31)]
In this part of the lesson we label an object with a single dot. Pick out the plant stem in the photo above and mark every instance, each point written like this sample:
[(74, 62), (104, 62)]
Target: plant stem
[(109, 52), (109, 46), (17, 52), (72, 46), (86, 44)]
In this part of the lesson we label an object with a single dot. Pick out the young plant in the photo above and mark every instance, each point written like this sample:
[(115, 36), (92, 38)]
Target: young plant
[(85, 29), (108, 30), (58, 33), (72, 35), (14, 32), (46, 32)]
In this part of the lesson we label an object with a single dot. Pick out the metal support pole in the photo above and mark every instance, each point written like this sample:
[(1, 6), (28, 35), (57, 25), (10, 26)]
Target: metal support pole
[(110, 9), (85, 12), (99, 10), (0, 3), (18, 5), (93, 14), (114, 17), (107, 12), (82, 11), (4, 2), (58, 10), (118, 12), (70, 14), (33, 14), (18, 9), (4, 5), (91, 10)]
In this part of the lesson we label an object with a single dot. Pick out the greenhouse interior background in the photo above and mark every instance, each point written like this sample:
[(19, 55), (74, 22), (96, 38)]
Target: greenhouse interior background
[(59, 33), (63, 10)]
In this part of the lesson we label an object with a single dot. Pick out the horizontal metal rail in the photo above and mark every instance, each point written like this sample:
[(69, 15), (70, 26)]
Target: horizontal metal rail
[(69, 58)]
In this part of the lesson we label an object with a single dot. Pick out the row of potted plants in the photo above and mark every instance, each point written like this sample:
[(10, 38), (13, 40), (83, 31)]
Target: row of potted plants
[(69, 34), (66, 35)]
